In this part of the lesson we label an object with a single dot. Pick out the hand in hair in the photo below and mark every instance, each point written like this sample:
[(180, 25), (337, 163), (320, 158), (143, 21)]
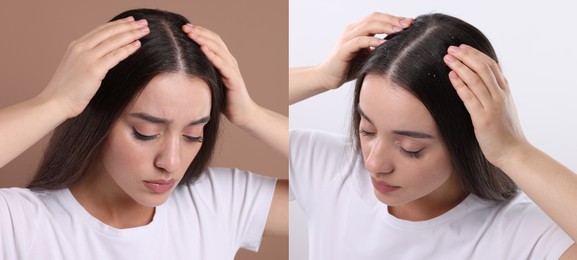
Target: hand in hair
[(76, 80), (485, 92), (238, 102), (345, 61), (353, 47), (241, 110), (89, 58)]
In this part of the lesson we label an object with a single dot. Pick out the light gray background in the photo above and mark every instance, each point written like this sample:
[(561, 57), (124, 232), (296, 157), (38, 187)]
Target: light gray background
[(535, 42)]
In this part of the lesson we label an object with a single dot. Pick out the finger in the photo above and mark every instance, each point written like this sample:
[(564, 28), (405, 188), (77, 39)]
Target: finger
[(114, 57), (203, 33), (107, 32), (470, 78), (212, 41), (106, 25), (495, 67), (398, 21), (119, 40), (483, 66), (362, 42), (469, 99), (220, 64), (377, 23)]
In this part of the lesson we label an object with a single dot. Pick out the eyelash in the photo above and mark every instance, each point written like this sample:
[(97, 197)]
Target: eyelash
[(410, 154), (142, 137), (366, 133), (414, 155), (139, 136)]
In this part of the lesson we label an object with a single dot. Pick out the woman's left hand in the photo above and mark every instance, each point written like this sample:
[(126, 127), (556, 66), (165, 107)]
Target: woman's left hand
[(263, 124), (480, 84), (239, 105)]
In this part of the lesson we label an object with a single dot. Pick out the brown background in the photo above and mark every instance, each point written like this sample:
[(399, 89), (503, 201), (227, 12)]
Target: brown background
[(35, 35)]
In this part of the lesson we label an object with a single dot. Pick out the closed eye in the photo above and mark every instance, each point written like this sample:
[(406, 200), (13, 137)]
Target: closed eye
[(142, 137), (194, 139), (366, 133), (411, 154)]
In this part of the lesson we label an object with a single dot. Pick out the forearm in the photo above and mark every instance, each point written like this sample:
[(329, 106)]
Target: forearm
[(304, 83), (547, 182), (269, 127), (23, 124)]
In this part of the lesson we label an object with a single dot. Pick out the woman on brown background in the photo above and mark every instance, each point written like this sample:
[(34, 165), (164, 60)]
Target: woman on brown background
[(125, 173)]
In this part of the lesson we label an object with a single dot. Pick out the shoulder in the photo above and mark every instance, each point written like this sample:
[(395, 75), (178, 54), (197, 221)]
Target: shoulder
[(522, 218), (23, 214), (302, 139), (218, 186), (217, 177), (19, 198), (522, 209), (314, 150)]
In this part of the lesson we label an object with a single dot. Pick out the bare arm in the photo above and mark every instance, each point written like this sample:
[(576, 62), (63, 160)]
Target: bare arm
[(76, 80), (341, 65), (485, 92)]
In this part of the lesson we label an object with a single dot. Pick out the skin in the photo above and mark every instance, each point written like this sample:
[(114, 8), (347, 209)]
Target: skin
[(401, 148), (116, 179), (113, 190), (242, 111), (76, 80), (485, 92)]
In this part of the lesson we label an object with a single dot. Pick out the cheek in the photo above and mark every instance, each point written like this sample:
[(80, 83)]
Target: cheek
[(122, 153), (433, 170), (366, 147)]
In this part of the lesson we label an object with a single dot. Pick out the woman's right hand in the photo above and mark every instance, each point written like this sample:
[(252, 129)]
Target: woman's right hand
[(358, 37), (87, 61)]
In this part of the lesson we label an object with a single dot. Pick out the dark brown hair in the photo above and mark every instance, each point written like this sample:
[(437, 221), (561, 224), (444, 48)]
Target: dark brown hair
[(166, 49), (413, 60)]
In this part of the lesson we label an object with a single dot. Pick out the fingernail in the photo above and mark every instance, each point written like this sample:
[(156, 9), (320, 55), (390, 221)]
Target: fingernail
[(145, 29), (453, 75), (381, 41), (405, 22), (397, 29), (450, 58), (142, 22), (453, 49), (130, 18)]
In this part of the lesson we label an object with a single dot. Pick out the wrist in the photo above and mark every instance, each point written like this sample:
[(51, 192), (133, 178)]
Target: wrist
[(519, 152), (319, 77), (244, 119), (59, 108)]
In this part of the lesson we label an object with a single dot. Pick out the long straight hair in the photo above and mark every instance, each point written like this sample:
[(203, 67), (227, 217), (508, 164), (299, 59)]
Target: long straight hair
[(413, 60), (166, 49)]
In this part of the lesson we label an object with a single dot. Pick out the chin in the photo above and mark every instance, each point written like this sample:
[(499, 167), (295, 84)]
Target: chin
[(390, 199), (153, 200)]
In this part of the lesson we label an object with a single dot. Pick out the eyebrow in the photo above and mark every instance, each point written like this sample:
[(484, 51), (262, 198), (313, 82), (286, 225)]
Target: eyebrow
[(157, 120), (413, 134)]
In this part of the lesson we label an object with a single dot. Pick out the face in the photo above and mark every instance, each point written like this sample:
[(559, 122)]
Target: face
[(152, 144), (402, 150)]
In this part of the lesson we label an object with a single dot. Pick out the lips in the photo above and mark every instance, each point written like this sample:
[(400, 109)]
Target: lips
[(159, 186), (383, 187)]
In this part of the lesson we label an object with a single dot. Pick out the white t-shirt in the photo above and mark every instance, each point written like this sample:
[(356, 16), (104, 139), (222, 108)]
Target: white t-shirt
[(224, 210), (346, 221)]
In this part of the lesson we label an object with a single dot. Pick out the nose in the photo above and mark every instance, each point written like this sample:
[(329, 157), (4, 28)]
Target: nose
[(377, 158), (168, 158)]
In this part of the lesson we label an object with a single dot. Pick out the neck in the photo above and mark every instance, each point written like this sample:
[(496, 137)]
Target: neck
[(105, 200), (437, 203)]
